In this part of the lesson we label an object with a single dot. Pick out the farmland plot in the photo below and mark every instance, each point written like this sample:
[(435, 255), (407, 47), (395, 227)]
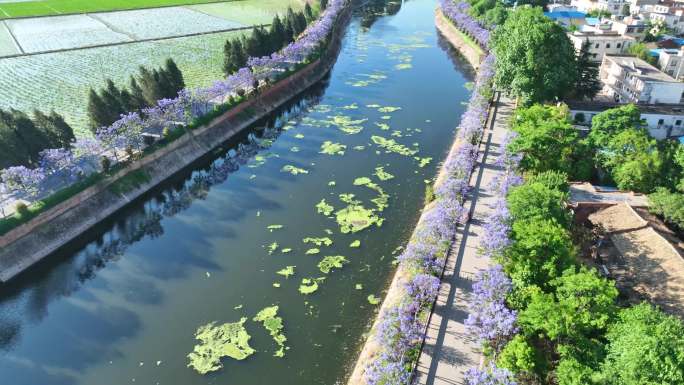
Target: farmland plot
[(52, 33), (7, 46), (248, 12), (60, 81), (163, 22)]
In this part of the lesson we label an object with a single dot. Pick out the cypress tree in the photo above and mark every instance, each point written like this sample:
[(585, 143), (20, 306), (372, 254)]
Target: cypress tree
[(228, 66), (33, 140), (111, 97), (324, 4), (62, 129), (588, 83), (277, 34), (12, 150), (175, 76), (292, 22), (301, 22), (238, 56), (308, 12), (97, 111), (149, 83), (137, 102)]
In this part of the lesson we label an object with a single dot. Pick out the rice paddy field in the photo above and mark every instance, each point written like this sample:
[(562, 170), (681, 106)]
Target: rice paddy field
[(27, 8), (60, 81)]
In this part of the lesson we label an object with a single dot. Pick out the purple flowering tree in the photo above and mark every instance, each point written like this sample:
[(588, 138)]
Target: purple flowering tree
[(489, 375)]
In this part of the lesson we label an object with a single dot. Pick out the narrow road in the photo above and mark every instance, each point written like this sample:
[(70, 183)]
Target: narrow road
[(448, 351)]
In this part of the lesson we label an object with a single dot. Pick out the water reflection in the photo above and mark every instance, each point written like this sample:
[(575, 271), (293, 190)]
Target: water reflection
[(30, 294)]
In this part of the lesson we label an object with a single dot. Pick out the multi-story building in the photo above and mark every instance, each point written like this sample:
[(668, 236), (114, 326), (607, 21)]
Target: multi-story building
[(669, 17), (601, 42), (662, 120), (614, 7), (630, 26), (671, 61), (629, 79)]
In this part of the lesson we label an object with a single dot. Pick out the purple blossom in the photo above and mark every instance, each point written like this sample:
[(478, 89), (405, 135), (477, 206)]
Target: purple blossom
[(22, 179), (489, 375)]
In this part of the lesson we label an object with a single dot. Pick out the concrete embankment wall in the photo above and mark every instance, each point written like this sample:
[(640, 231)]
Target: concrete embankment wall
[(27, 244), (371, 347)]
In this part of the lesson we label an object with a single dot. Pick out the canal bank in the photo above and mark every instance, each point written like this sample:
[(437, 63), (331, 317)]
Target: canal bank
[(373, 351), (197, 249), (29, 243)]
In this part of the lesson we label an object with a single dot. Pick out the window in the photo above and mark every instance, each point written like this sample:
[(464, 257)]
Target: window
[(593, 55), (678, 122), (661, 121), (618, 45), (607, 45), (596, 45)]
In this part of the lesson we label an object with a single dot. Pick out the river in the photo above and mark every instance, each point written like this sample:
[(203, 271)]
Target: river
[(121, 304)]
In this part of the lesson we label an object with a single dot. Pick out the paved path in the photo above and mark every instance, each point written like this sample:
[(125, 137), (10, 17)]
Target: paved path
[(448, 351)]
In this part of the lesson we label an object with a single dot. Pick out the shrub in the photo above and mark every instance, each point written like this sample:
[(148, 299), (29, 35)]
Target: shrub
[(535, 200), (21, 209)]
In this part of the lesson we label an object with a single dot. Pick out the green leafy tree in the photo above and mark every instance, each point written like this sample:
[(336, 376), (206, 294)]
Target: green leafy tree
[(535, 59), (645, 346), (554, 180), (541, 251), (668, 205), (545, 138), (519, 357), (581, 308), (633, 160), (537, 201), (495, 16), (588, 83), (612, 121)]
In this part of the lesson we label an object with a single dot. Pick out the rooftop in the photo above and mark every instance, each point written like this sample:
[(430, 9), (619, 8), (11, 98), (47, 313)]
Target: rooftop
[(565, 15), (660, 109), (639, 68)]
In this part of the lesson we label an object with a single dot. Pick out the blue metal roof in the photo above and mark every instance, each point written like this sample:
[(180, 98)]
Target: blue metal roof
[(565, 15), (655, 52), (592, 20)]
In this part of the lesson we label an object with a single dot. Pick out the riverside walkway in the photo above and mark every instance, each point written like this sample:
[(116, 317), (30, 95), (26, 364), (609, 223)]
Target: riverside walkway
[(448, 350)]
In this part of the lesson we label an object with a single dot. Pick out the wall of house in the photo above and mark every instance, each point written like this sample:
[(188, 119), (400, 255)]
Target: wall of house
[(660, 126), (666, 92)]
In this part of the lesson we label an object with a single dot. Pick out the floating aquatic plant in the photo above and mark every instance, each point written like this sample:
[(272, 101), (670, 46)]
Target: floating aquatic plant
[(382, 126), (358, 286), (347, 125), (274, 324), (299, 136), (287, 271), (294, 170), (286, 250), (403, 66), (330, 262), (390, 145), (356, 243), (332, 183), (359, 148), (272, 247), (387, 109), (324, 208), (274, 227), (373, 105), (308, 286), (322, 241), (355, 218), (373, 300), (382, 174), (312, 251), (226, 340), (331, 148), (422, 162), (276, 284)]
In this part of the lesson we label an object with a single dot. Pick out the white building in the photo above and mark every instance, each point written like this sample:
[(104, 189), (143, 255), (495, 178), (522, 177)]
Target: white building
[(668, 17), (671, 61), (601, 41), (663, 121), (614, 7), (630, 26), (629, 79)]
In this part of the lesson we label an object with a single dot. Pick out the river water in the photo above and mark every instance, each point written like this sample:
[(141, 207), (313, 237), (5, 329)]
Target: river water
[(121, 305)]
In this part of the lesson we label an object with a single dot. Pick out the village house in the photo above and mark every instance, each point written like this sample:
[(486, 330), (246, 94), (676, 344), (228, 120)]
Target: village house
[(670, 61), (629, 79), (602, 41), (663, 120), (614, 7)]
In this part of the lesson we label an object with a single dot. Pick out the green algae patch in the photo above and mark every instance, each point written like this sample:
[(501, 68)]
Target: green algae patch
[(324, 208), (355, 218), (362, 181), (373, 300), (308, 286), (286, 250), (388, 109), (276, 284), (422, 162), (330, 262), (332, 183), (294, 149), (348, 198), (272, 247), (274, 325), (274, 227), (382, 126), (358, 286), (347, 125), (287, 271), (403, 66), (352, 106), (356, 243), (331, 148), (390, 145), (386, 117), (299, 136), (382, 174), (312, 251), (294, 170), (226, 340), (321, 241)]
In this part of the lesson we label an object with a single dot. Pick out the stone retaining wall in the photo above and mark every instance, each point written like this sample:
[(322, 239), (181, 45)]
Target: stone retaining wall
[(27, 244)]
